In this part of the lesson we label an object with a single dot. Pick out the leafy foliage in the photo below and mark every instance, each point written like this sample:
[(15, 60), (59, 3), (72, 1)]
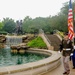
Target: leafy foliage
[(3, 32), (9, 25), (61, 34), (48, 24)]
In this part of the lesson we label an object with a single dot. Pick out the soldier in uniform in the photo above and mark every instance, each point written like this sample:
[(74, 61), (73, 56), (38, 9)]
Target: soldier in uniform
[(66, 51)]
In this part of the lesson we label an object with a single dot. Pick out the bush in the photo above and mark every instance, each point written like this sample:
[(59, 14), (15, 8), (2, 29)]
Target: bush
[(3, 32), (60, 33)]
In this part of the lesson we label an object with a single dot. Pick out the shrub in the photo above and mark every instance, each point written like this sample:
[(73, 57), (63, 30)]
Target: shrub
[(3, 32)]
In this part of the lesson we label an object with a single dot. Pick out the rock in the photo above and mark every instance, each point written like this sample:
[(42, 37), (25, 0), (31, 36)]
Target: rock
[(20, 48), (2, 39)]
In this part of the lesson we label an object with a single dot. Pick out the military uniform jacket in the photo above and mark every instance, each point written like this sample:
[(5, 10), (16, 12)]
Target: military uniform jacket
[(67, 47)]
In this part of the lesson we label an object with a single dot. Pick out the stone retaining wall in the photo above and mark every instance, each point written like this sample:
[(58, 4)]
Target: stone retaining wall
[(59, 36), (47, 41)]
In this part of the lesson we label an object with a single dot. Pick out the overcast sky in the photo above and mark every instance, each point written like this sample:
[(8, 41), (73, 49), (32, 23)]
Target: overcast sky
[(19, 9)]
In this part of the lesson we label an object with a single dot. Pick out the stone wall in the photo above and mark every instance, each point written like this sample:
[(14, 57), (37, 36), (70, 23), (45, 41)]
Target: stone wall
[(47, 41), (34, 68)]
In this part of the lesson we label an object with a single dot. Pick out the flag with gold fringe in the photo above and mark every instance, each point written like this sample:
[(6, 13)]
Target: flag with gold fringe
[(70, 22)]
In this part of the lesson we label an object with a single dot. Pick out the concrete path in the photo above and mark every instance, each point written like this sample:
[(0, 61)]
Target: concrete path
[(60, 70)]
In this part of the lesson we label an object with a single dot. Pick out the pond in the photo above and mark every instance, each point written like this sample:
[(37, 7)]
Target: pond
[(7, 58)]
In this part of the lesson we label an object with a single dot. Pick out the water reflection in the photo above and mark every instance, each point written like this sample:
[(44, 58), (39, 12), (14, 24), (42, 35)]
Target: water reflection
[(19, 61), (7, 58)]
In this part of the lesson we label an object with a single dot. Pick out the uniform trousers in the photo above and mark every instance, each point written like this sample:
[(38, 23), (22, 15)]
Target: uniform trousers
[(66, 63)]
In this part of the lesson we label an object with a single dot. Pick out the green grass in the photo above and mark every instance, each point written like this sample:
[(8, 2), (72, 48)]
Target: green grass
[(37, 43)]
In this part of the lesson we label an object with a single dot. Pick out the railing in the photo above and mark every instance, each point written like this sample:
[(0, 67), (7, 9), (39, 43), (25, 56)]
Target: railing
[(42, 32), (46, 40)]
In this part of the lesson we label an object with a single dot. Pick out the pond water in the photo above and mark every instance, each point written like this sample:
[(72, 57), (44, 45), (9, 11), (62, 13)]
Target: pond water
[(8, 59)]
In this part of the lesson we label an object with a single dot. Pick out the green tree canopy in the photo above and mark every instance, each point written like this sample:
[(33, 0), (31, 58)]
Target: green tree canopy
[(48, 24), (9, 25)]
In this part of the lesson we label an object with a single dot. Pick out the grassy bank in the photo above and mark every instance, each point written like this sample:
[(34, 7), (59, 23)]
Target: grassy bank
[(37, 43)]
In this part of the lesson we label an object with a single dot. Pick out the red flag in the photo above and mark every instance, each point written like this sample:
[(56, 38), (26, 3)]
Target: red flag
[(70, 22)]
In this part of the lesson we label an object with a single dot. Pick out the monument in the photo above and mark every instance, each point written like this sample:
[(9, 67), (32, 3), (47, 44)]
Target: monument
[(19, 27)]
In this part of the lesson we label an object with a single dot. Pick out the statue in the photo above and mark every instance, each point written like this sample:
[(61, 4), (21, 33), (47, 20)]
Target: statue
[(19, 27)]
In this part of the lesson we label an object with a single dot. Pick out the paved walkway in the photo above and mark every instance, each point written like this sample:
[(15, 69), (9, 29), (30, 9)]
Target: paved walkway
[(60, 70)]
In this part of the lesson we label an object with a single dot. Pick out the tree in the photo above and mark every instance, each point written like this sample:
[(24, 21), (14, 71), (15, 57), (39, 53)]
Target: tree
[(9, 25), (48, 24)]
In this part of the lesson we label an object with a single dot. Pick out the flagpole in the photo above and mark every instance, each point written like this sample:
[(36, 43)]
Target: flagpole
[(74, 24)]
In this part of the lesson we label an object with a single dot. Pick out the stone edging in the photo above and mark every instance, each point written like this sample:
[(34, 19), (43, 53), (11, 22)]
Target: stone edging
[(58, 36), (46, 40), (34, 68)]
